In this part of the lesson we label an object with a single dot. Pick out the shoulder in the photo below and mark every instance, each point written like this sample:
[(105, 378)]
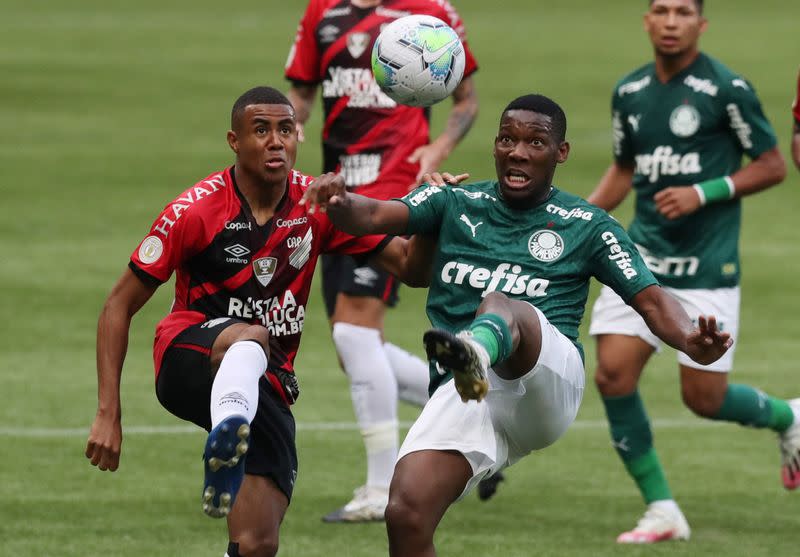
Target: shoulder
[(206, 194), (476, 191), (567, 206), (635, 81), (442, 9), (318, 9), (716, 76)]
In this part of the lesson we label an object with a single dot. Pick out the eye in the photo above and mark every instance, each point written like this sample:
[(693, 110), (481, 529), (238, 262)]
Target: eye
[(505, 140), (537, 142), (261, 130), (287, 130)]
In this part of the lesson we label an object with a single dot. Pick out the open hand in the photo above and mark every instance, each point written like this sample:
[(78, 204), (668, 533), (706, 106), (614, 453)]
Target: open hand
[(429, 158), (706, 344), (676, 201), (326, 189)]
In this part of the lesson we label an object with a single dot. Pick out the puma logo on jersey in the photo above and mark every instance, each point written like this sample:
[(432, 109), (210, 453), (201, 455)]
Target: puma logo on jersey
[(472, 227), (633, 120)]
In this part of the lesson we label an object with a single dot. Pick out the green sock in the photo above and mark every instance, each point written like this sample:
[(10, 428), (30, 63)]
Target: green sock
[(633, 440), (491, 331), (748, 406)]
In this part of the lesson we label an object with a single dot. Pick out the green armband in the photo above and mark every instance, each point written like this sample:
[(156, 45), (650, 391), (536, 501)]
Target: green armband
[(715, 190)]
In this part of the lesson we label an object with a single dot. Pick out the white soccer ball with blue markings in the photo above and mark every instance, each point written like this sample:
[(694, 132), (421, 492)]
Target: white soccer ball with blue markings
[(418, 60)]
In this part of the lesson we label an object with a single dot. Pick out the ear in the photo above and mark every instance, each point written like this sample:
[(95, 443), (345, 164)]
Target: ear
[(703, 25), (563, 152), (233, 141)]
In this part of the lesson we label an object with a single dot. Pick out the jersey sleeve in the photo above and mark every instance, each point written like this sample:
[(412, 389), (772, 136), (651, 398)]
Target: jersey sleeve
[(796, 103), (621, 133), (615, 260), (426, 206), (343, 243), (450, 16), (173, 238), (748, 124), (302, 64)]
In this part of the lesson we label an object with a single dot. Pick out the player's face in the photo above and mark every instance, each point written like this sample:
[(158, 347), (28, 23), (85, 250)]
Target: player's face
[(674, 26), (525, 154), (265, 141)]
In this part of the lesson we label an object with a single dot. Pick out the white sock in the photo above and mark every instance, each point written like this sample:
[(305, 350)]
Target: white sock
[(411, 372), (235, 389), (668, 505), (373, 389)]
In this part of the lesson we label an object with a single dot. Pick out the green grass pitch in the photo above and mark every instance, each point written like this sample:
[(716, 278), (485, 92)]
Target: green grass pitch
[(109, 109)]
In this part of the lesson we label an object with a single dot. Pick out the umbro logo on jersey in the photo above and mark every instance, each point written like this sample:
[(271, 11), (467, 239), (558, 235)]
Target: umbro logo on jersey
[(237, 250), (357, 43), (472, 227), (328, 34), (264, 269), (211, 323)]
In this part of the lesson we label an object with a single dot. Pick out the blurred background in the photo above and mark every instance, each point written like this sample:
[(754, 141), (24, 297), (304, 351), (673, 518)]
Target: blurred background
[(109, 109)]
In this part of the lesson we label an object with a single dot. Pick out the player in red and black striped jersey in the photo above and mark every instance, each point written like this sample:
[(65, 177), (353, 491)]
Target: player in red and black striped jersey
[(381, 149), (243, 251), (796, 127)]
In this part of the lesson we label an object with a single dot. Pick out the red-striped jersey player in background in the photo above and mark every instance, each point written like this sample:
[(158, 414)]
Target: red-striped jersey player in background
[(796, 127), (244, 253), (382, 149)]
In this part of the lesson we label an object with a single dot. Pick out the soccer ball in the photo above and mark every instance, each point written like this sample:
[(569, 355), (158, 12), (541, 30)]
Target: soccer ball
[(418, 60)]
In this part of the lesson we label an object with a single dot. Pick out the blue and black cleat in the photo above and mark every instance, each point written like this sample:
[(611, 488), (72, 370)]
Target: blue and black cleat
[(223, 460)]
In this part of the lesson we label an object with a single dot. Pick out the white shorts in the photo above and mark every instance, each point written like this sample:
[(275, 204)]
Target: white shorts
[(516, 417), (612, 316)]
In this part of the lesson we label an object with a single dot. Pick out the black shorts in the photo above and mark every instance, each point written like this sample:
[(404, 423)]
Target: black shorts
[(343, 273), (184, 388)]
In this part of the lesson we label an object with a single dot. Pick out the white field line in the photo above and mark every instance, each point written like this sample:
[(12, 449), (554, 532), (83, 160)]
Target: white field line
[(678, 423)]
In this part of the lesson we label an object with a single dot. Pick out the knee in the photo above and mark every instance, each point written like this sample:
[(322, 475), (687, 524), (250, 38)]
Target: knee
[(611, 380), (703, 402), (255, 333), (403, 516), (258, 544)]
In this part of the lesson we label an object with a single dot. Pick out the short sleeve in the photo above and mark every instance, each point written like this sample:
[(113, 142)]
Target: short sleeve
[(302, 64), (616, 262), (174, 237), (340, 242), (746, 119), (621, 133), (426, 205)]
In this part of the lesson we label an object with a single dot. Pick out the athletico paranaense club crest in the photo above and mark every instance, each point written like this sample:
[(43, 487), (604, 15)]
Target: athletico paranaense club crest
[(264, 268)]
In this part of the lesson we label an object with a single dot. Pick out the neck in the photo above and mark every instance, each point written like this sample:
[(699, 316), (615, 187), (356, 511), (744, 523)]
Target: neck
[(668, 66), (262, 196), (529, 202), (365, 3)]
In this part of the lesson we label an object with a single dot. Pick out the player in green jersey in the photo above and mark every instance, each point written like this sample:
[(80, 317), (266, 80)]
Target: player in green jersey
[(509, 282), (681, 126)]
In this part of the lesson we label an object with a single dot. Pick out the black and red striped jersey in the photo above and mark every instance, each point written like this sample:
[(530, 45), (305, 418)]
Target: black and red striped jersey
[(366, 136), (227, 265)]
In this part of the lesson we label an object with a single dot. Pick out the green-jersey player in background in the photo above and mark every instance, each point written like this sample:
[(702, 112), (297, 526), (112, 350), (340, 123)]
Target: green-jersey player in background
[(509, 282), (681, 125)]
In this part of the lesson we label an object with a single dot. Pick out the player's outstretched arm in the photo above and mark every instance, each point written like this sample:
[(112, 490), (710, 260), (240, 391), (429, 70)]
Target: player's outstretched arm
[(353, 213), (126, 298), (613, 187), (704, 343)]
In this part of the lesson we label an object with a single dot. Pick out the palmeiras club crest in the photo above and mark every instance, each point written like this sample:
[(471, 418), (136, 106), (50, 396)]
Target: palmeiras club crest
[(357, 43), (264, 268)]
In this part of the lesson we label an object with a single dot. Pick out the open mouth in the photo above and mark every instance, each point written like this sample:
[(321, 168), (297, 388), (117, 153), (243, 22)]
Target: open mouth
[(275, 162), (516, 179)]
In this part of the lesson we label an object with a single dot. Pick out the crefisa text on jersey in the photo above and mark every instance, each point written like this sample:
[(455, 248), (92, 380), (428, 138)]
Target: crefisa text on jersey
[(280, 315)]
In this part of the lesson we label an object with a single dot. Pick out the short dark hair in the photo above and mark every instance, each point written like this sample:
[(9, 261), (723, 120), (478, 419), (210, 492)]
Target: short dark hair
[(698, 3), (542, 105), (258, 95)]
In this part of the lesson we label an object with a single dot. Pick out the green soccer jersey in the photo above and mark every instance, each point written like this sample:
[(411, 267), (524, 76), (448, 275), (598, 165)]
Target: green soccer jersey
[(544, 255), (693, 128)]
